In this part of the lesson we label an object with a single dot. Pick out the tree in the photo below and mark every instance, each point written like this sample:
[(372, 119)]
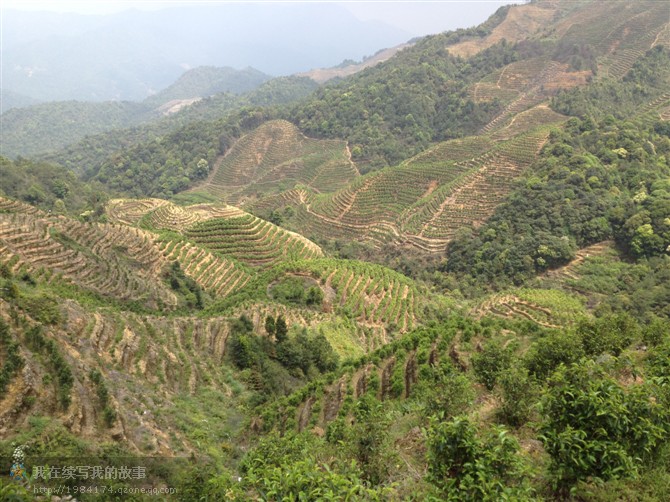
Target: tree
[(314, 296), (60, 189), (281, 329), (202, 169), (517, 393), (243, 350), (270, 327), (547, 353), (608, 334)]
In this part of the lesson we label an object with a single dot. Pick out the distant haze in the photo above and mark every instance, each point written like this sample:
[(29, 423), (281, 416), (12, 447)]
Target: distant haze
[(413, 16), (129, 50)]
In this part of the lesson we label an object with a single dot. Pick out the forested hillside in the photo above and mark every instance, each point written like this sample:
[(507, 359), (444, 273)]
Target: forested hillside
[(445, 277), (48, 127)]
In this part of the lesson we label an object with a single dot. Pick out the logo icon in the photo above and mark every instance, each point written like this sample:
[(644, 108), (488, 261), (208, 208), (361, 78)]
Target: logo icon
[(18, 470)]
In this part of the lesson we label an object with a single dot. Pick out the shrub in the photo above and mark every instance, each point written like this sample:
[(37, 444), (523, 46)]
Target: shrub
[(608, 334), (314, 296), (466, 467), (448, 394), (547, 353), (243, 350), (657, 331), (270, 327), (517, 394), (593, 427), (489, 363)]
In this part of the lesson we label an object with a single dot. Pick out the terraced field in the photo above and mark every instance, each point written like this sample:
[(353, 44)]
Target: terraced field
[(632, 37), (569, 271), (372, 295), (142, 359), (130, 211), (162, 214), (533, 82), (15, 206), (549, 308), (392, 375), (252, 240), (226, 231), (172, 217), (113, 260), (425, 200), (277, 157), (219, 275), (472, 197), (659, 108)]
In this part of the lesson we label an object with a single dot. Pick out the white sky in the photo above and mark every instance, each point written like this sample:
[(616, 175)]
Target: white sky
[(419, 17)]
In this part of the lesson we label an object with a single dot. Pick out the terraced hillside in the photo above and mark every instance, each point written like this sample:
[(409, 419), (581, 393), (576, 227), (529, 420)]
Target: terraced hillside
[(252, 240), (277, 157), (148, 366), (224, 229), (629, 28), (371, 294), (422, 202), (113, 260), (161, 214), (214, 248), (361, 306), (130, 211), (570, 271), (214, 273), (545, 307), (425, 200), (394, 374)]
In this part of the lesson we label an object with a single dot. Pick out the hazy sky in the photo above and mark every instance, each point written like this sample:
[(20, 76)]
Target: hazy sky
[(418, 17)]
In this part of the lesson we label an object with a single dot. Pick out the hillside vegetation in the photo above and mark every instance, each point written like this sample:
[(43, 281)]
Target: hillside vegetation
[(442, 278), (206, 81), (86, 133), (50, 126)]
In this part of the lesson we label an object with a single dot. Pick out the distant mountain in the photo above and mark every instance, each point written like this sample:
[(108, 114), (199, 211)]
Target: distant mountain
[(43, 128), (132, 54), (206, 81), (348, 67), (10, 99), (48, 126)]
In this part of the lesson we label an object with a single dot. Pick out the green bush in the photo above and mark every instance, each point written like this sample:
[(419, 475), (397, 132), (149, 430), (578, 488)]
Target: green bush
[(546, 354), (13, 360), (43, 308), (447, 394), (595, 428), (285, 468), (518, 393), (37, 342), (611, 334), (490, 362), (466, 467), (656, 332)]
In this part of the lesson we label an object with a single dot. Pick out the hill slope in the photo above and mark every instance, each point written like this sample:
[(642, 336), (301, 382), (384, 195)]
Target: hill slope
[(205, 81), (523, 187)]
